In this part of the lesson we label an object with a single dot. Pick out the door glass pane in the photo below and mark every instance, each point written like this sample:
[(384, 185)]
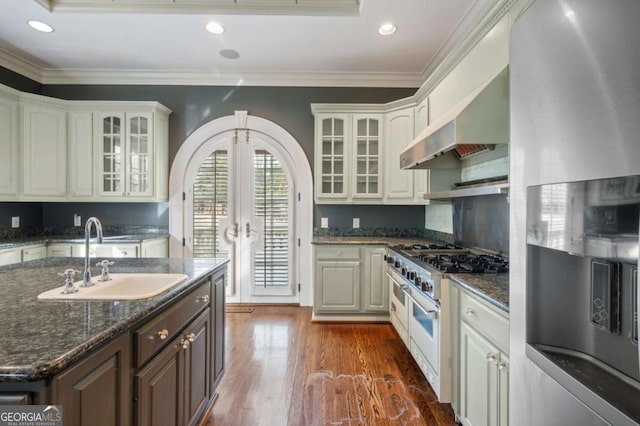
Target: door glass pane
[(271, 201), (362, 147), (373, 127), (326, 127), (362, 127), (338, 127), (373, 147), (338, 148), (210, 205), (423, 319)]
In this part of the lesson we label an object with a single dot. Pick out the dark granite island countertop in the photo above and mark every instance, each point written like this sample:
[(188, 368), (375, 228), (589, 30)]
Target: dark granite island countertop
[(363, 241), (494, 288), (40, 338)]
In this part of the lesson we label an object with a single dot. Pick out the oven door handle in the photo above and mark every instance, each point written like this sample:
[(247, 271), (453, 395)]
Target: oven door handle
[(431, 313), (404, 287)]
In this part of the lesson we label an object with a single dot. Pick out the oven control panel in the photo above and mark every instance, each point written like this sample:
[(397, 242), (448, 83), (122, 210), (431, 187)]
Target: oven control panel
[(416, 275)]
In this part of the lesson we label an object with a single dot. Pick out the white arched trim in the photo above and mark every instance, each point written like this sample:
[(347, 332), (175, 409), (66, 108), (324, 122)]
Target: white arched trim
[(301, 171)]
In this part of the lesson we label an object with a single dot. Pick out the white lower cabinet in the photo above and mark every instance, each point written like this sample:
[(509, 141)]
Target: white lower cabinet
[(61, 250), (482, 363), (34, 252), (155, 248), (9, 256), (350, 280)]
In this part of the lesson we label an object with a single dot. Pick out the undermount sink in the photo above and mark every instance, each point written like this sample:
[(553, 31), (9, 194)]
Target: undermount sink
[(120, 287)]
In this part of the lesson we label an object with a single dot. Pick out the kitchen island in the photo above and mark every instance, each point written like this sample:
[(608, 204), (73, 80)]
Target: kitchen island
[(45, 342)]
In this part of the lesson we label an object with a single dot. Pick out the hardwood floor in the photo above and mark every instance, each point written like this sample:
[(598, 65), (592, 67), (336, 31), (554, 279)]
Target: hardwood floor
[(284, 370)]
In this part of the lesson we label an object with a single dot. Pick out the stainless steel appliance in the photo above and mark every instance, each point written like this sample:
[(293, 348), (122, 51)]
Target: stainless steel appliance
[(575, 103), (582, 251)]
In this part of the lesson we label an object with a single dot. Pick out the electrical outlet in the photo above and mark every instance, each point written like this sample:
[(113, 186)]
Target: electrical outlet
[(356, 222), (77, 220), (15, 222), (324, 222)]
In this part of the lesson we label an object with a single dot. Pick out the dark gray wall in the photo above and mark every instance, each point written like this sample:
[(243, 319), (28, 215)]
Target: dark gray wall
[(110, 214), (19, 82), (30, 214), (341, 216)]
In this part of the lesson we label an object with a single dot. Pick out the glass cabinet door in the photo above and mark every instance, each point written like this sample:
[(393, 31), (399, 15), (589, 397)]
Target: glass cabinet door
[(111, 177), (138, 154), (332, 157), (367, 157)]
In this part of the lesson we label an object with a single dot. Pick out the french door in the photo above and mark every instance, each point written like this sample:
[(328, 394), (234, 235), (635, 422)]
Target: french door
[(241, 200)]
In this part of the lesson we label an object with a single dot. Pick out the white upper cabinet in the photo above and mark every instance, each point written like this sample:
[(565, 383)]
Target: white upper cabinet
[(80, 146), (8, 144), (44, 150), (367, 156), (56, 150), (348, 152), (124, 148), (332, 153), (421, 116), (399, 132)]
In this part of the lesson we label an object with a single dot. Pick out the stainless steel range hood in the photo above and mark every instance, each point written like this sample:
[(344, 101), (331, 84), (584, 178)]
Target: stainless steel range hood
[(475, 124)]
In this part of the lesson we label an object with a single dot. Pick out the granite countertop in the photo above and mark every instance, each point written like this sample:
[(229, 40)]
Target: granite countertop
[(107, 239), (40, 338), (360, 240), (493, 288)]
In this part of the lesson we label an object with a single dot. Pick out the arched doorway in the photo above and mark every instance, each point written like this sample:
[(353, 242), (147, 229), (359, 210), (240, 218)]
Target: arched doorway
[(241, 187)]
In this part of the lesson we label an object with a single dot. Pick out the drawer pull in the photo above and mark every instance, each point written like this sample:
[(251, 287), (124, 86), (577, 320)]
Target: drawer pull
[(490, 357), (338, 253), (191, 337), (204, 298), (163, 334), (501, 365), (470, 312), (185, 344)]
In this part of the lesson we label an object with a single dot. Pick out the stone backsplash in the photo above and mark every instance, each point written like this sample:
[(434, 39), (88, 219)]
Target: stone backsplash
[(384, 232), (72, 231)]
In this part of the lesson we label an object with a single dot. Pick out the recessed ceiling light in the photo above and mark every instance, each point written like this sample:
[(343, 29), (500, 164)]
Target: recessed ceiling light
[(40, 26), (387, 29), (229, 54), (214, 28)]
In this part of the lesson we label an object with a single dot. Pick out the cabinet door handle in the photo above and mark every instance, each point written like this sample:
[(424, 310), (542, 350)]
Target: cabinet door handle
[(490, 357), (191, 337), (185, 344), (163, 334), (204, 298), (470, 312), (501, 365)]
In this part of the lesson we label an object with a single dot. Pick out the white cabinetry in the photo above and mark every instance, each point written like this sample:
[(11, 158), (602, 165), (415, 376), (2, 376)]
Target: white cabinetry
[(56, 150), (124, 150), (348, 152), (401, 186), (8, 143), (9, 256), (80, 145), (350, 280), (44, 150), (33, 252), (376, 294), (155, 248), (482, 363)]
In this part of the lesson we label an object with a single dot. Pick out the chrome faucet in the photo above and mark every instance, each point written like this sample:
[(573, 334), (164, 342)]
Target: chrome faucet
[(86, 277)]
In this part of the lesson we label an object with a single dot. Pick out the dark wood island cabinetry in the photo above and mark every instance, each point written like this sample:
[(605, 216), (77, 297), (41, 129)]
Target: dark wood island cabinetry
[(145, 362)]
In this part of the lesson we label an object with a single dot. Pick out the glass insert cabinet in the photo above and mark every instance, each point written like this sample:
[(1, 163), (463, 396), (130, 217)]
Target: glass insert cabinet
[(348, 156), (125, 151)]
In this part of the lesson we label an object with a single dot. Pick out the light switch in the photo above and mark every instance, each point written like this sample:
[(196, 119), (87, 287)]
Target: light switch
[(15, 222), (356, 222), (77, 220), (324, 222)]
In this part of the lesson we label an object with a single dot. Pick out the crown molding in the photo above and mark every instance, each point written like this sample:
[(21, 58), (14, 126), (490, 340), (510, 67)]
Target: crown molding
[(492, 13), (20, 65), (231, 78), (251, 7)]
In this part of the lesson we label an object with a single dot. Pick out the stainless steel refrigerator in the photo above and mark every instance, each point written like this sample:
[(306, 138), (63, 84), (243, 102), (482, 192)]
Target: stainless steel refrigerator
[(575, 139)]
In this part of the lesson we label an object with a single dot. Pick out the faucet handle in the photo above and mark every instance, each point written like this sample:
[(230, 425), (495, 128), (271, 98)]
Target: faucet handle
[(68, 282), (104, 264)]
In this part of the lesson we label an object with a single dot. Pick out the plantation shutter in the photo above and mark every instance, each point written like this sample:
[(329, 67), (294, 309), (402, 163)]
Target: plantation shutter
[(210, 205), (272, 209)]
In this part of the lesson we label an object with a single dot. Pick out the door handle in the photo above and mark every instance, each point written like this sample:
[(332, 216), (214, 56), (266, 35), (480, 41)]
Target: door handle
[(236, 230), (248, 229)]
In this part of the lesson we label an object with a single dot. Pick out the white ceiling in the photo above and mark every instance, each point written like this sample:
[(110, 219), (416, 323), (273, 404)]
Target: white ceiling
[(294, 50)]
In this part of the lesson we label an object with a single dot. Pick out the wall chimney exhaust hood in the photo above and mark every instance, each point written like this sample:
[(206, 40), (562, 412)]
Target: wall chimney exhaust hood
[(475, 124)]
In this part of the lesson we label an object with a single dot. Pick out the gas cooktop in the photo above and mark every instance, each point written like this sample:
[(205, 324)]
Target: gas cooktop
[(465, 262)]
